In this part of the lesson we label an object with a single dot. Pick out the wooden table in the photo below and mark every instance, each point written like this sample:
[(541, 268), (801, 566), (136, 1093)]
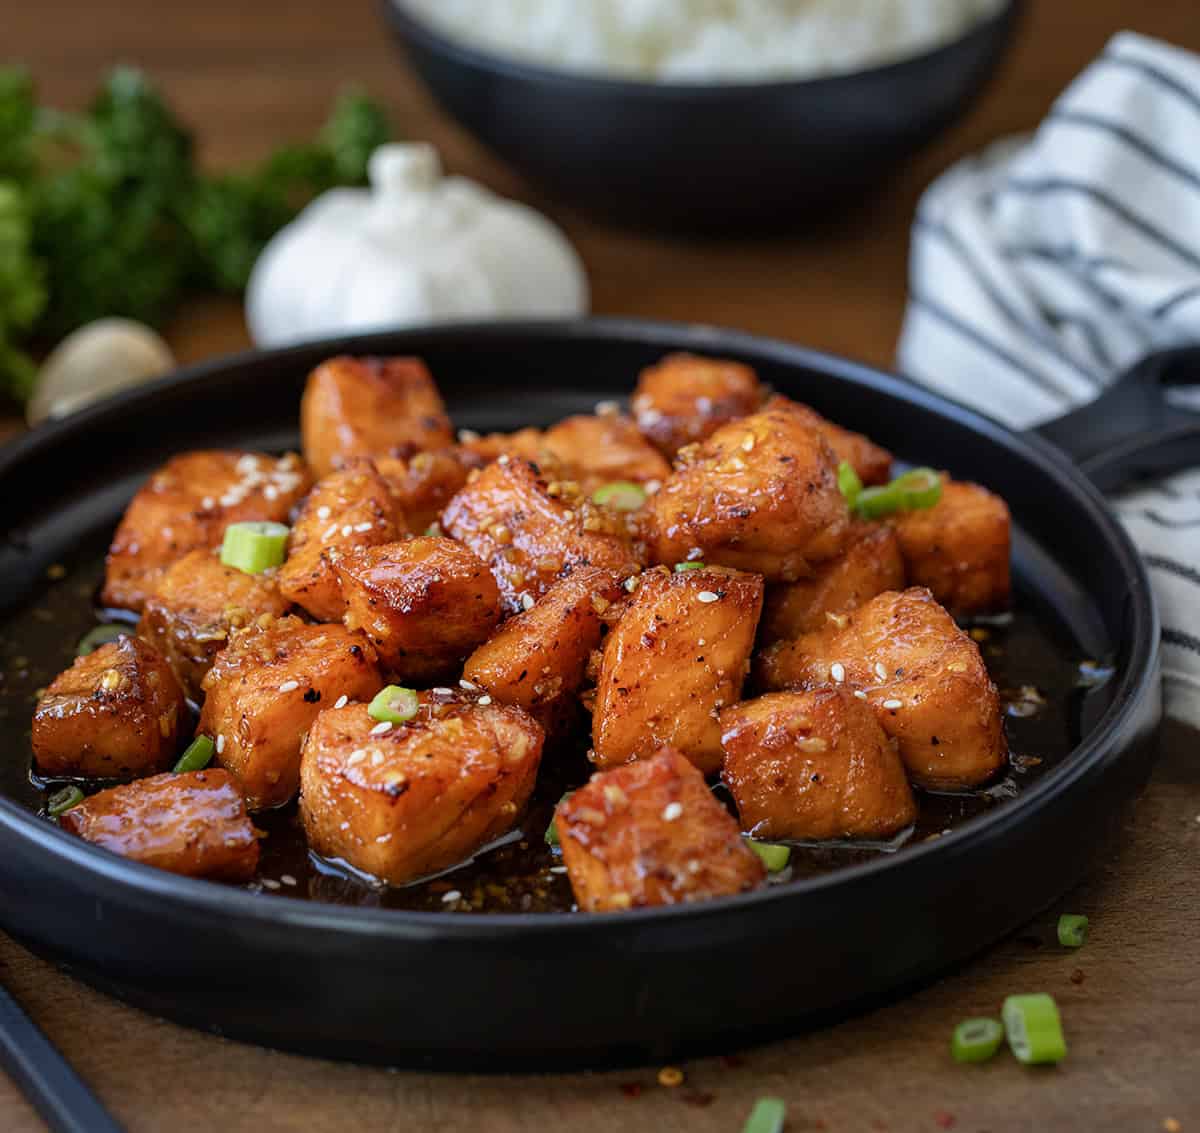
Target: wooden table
[(248, 75)]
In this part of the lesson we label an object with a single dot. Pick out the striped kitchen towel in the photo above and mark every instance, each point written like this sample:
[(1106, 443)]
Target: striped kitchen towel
[(1045, 266)]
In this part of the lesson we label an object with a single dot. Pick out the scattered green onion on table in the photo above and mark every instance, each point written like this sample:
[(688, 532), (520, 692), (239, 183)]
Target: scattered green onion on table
[(976, 1040), (767, 1116), (1072, 930), (1034, 1029)]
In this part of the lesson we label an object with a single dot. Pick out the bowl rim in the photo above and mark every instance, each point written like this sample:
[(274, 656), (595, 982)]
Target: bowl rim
[(409, 26), (1134, 683)]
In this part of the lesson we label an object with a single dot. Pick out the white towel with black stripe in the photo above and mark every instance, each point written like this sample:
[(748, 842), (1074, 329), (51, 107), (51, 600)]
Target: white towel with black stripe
[(1044, 267)]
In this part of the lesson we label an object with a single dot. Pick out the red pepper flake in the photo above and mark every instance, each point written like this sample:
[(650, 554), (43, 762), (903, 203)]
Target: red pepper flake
[(945, 1120), (732, 1061), (632, 1089), (1077, 976), (699, 1098)]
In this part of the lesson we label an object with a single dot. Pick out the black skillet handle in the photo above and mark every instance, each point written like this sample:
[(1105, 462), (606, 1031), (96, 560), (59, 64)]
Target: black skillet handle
[(1131, 432)]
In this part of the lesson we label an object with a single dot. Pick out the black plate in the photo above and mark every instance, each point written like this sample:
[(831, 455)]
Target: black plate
[(544, 990), (705, 156)]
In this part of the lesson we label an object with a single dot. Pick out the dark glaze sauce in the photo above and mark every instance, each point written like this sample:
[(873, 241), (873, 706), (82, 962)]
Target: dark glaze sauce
[(1041, 675)]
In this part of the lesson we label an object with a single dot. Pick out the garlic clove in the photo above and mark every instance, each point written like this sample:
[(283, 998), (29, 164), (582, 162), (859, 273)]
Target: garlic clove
[(94, 361)]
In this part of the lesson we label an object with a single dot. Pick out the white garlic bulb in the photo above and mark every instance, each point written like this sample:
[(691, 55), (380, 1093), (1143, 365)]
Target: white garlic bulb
[(414, 248)]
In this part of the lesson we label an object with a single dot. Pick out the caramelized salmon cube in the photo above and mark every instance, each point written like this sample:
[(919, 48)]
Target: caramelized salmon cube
[(872, 463), (424, 484), (194, 824), (524, 444), (813, 765), (869, 565), (761, 494), (425, 603), (678, 656), (369, 406), (651, 833), (923, 676), (537, 659), (186, 506), (529, 537), (347, 509), (266, 688), (196, 604), (685, 398), (115, 713), (599, 449), (403, 801), (960, 548)]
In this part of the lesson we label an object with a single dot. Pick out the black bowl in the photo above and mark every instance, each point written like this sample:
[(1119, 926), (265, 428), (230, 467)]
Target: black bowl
[(704, 156)]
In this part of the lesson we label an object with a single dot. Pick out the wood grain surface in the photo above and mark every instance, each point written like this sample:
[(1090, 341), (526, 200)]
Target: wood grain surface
[(247, 75)]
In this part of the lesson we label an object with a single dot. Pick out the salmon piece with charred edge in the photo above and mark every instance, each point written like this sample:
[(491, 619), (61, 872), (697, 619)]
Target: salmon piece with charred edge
[(347, 509), (196, 604), (528, 537), (960, 548), (186, 506), (369, 406), (678, 656), (651, 833), (813, 765), (423, 484), (685, 398), (922, 675), (264, 691), (537, 660), (761, 494), (194, 824), (870, 564), (872, 463), (114, 714), (404, 801), (425, 603), (599, 449), (524, 444)]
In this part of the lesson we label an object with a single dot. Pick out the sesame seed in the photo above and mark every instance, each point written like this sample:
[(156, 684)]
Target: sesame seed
[(323, 512), (347, 529), (468, 685), (376, 757), (607, 409), (670, 1076), (631, 583), (381, 727), (270, 491), (363, 526), (652, 486), (672, 811), (384, 839), (341, 701), (289, 686), (453, 895), (442, 691), (893, 704), (466, 436), (837, 671), (268, 883), (527, 601), (484, 700), (708, 596), (208, 503), (649, 416), (860, 694), (220, 744), (502, 459), (329, 532), (881, 670), (702, 641), (355, 757), (287, 879), (558, 869), (748, 443)]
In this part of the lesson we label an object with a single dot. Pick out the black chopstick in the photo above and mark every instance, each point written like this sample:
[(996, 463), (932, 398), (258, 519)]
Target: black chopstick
[(45, 1077)]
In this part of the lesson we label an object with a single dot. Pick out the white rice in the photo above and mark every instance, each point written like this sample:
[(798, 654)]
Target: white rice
[(706, 40)]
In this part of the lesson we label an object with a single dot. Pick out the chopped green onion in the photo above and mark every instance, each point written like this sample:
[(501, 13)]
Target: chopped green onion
[(395, 704), (774, 857), (255, 546), (1034, 1028), (552, 829), (767, 1116), (624, 495), (98, 636), (1072, 930), (197, 757), (914, 491), (921, 488), (976, 1040), (849, 482), (683, 568), (62, 801)]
